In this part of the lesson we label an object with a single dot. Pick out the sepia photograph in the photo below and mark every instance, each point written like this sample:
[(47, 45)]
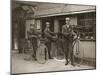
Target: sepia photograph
[(52, 37)]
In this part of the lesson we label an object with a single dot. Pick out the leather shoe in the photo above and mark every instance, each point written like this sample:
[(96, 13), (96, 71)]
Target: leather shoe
[(73, 64), (66, 63)]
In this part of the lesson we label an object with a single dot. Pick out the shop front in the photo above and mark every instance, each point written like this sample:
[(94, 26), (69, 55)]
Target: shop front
[(84, 24)]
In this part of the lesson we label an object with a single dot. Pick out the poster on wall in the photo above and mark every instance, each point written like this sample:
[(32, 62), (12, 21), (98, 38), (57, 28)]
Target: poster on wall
[(52, 37)]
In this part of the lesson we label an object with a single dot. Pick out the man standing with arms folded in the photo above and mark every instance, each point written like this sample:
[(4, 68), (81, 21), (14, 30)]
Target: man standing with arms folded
[(68, 36)]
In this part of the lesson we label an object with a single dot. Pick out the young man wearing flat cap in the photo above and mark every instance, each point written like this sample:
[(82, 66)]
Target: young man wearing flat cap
[(68, 34), (32, 36)]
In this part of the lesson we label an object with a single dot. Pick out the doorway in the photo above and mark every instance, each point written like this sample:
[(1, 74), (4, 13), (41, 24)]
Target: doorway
[(50, 20)]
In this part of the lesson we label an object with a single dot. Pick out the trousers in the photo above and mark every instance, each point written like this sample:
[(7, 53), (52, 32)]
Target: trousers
[(68, 50), (48, 44), (34, 46)]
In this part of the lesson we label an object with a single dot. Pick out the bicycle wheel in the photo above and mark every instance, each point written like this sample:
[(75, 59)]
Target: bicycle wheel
[(77, 55), (59, 51), (41, 54)]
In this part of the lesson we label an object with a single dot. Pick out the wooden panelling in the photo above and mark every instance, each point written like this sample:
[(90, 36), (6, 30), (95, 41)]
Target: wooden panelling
[(87, 49)]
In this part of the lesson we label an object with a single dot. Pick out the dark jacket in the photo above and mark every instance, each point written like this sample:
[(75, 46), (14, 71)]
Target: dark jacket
[(32, 34), (48, 33), (68, 32)]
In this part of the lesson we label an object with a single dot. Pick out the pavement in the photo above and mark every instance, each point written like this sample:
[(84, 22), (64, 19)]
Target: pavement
[(20, 65)]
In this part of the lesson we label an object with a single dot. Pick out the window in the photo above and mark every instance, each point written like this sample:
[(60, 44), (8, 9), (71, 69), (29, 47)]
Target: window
[(87, 26)]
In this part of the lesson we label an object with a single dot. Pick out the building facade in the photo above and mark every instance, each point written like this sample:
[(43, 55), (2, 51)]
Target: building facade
[(82, 16)]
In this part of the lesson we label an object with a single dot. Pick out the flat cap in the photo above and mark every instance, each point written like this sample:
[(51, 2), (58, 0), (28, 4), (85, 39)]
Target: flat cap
[(67, 18), (47, 22)]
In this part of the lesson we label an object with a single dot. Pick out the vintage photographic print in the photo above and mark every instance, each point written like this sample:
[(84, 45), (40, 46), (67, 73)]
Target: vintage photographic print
[(52, 37)]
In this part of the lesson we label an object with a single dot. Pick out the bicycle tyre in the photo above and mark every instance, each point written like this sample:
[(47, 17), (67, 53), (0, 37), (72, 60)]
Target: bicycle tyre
[(41, 54)]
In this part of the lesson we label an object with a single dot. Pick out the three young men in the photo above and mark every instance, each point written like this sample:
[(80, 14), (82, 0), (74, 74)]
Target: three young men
[(68, 36)]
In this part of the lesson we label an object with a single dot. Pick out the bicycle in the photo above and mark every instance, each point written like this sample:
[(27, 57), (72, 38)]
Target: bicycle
[(41, 54), (79, 60)]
